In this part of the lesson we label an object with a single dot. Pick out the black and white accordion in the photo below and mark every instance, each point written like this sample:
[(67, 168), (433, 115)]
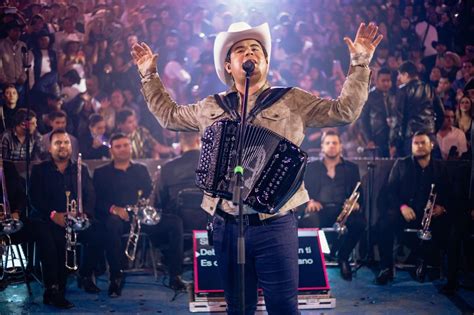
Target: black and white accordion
[(273, 166)]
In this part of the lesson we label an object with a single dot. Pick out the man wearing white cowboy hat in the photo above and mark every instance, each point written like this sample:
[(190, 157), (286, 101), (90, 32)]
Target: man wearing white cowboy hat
[(271, 241)]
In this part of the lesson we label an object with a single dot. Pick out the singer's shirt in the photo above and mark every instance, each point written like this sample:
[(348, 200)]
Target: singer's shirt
[(11, 62), (48, 189)]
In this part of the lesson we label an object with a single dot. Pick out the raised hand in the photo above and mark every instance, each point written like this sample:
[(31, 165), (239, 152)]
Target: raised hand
[(144, 58), (363, 47)]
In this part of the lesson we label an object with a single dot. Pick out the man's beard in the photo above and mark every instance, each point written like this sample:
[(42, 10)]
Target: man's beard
[(331, 156), (121, 159), (61, 157), (421, 156)]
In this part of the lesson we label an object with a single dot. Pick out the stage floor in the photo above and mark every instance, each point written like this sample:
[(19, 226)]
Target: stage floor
[(145, 296)]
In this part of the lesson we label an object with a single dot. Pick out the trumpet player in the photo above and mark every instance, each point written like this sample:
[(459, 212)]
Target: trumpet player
[(50, 181), (409, 186), (117, 185), (330, 182)]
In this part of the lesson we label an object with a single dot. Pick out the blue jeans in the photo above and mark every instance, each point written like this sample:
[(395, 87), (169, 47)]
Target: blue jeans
[(271, 263)]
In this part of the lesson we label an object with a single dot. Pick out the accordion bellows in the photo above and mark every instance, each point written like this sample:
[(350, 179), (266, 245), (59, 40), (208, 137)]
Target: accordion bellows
[(273, 166)]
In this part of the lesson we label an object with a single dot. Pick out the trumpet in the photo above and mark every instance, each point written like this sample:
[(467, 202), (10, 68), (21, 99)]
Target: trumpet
[(424, 233), (76, 220), (142, 213), (340, 225)]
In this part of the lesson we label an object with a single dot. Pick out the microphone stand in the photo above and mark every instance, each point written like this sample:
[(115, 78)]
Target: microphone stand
[(29, 247), (369, 255), (238, 187), (26, 67)]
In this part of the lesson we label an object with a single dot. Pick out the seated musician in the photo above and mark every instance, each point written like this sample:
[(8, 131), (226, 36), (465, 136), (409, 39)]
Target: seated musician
[(330, 182), (49, 182), (409, 187), (178, 174), (117, 185)]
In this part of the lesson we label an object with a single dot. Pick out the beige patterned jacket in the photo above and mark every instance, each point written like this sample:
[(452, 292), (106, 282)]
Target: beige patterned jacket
[(289, 117)]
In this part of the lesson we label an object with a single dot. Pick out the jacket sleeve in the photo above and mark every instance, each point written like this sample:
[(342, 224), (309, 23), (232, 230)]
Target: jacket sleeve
[(169, 114), (318, 112)]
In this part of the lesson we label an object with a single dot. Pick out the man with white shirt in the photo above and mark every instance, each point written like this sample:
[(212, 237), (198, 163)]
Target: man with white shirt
[(427, 34), (449, 137), (44, 63)]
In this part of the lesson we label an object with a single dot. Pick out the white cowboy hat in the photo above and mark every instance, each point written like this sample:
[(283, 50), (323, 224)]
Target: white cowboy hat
[(237, 32)]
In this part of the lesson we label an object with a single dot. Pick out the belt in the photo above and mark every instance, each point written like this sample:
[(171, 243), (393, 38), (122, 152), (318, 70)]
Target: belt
[(250, 219)]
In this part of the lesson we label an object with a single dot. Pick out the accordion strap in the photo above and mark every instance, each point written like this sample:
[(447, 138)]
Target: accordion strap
[(266, 99)]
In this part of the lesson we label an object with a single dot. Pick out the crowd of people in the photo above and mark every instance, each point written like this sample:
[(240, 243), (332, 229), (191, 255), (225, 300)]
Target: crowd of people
[(85, 96), (80, 64)]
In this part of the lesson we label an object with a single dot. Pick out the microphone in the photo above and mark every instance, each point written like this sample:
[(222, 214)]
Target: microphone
[(248, 67)]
